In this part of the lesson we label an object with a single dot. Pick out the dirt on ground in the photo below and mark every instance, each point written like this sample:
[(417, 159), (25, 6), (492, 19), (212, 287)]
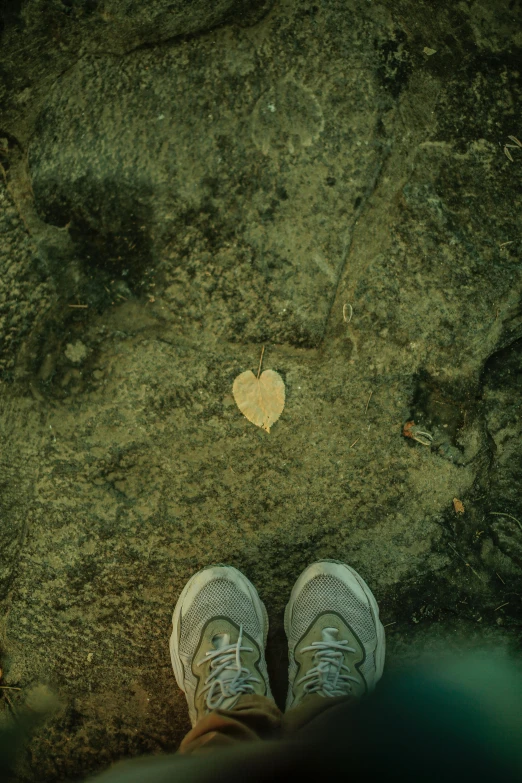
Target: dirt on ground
[(337, 183)]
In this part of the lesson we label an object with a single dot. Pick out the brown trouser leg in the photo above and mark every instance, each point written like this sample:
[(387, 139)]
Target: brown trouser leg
[(253, 718)]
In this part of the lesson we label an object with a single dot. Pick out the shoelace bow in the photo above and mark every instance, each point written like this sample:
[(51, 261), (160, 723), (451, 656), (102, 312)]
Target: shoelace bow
[(224, 660), (330, 675)]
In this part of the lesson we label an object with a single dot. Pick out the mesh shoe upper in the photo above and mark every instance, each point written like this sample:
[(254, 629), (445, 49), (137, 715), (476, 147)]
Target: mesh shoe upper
[(218, 597)]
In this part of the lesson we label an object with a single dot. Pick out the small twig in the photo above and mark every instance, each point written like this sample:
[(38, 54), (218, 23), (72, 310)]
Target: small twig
[(82, 307), (8, 700), (466, 564), (388, 624), (260, 362), (369, 398), (410, 430), (345, 319), (510, 516), (355, 441), (501, 605), (9, 688), (510, 242)]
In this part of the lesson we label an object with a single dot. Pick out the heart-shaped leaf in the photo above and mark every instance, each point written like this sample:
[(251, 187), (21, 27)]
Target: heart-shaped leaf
[(260, 399)]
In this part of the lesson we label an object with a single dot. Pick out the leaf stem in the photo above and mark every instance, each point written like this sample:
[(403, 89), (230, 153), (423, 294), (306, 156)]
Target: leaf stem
[(260, 362)]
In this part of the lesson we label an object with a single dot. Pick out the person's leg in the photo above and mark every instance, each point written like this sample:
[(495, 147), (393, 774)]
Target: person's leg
[(295, 721), (463, 726), (253, 717), (217, 648)]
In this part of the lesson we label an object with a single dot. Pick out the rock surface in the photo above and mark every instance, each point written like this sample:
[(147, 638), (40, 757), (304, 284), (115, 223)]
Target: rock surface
[(325, 180)]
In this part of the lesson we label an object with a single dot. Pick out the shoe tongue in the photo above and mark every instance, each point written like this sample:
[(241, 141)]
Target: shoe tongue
[(330, 634), (221, 640)]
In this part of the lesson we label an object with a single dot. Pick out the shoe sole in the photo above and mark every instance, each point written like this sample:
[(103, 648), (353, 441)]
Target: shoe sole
[(219, 568), (380, 649)]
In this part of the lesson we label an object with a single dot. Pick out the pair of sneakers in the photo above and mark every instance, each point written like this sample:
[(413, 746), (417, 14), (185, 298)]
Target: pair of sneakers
[(335, 638)]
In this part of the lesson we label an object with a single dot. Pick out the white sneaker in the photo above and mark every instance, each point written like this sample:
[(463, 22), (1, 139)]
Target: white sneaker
[(336, 641), (220, 626)]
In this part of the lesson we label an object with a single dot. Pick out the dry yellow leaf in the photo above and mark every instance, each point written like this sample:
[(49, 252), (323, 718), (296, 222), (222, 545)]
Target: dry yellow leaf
[(260, 399), (458, 505)]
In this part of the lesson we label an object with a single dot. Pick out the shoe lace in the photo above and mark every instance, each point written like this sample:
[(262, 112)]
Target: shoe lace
[(228, 677), (330, 676)]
